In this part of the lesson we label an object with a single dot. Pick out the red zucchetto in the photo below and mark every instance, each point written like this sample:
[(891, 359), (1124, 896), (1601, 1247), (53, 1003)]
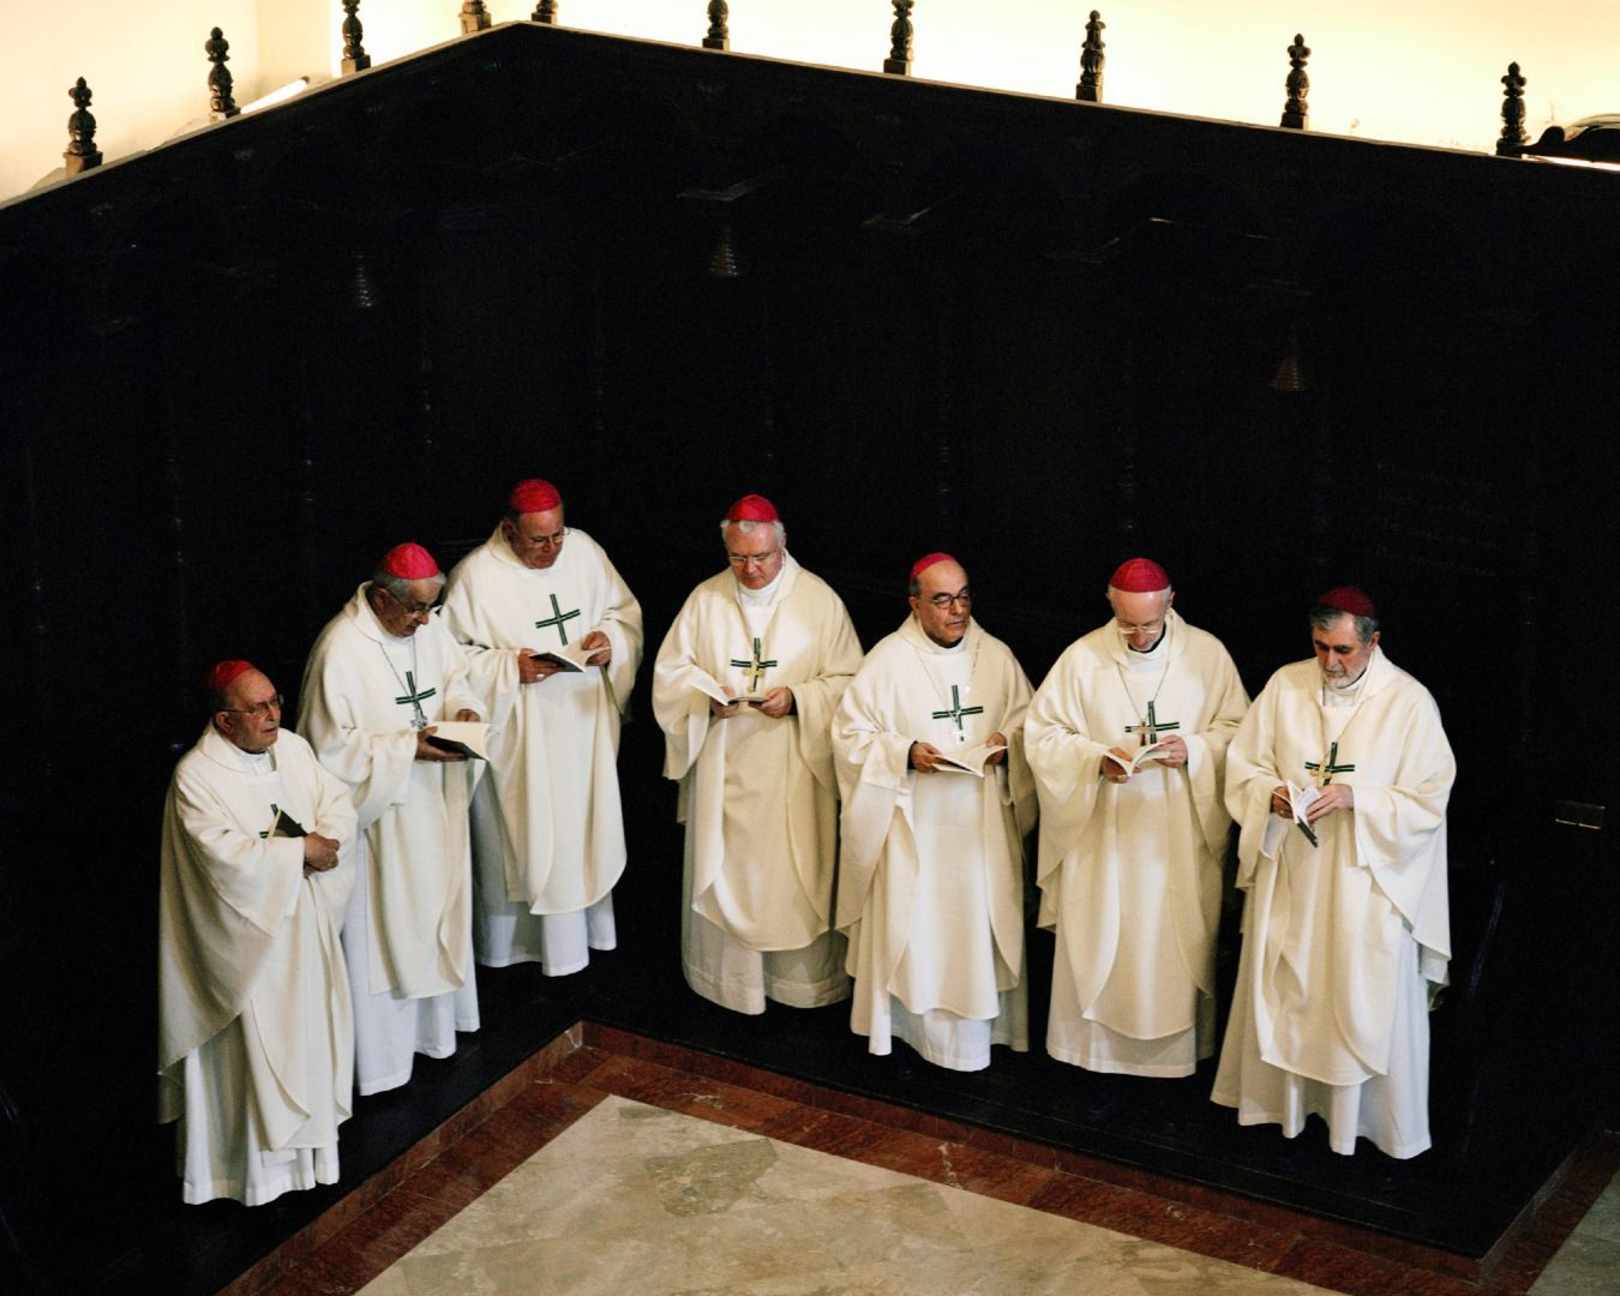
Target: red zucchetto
[(1347, 598), (928, 560), (752, 508), (409, 561), (1139, 576), (219, 679), (534, 496)]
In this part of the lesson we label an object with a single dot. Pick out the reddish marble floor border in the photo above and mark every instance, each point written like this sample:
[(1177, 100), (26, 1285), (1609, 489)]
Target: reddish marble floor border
[(453, 1166)]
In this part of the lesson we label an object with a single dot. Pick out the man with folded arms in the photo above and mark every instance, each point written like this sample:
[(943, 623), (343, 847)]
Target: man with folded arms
[(758, 793), (255, 1039), (383, 673), (930, 888), (548, 828), (1344, 938), (1130, 860)]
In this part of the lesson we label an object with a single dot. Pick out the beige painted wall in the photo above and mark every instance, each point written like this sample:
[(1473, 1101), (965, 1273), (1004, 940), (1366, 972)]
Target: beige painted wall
[(1419, 71)]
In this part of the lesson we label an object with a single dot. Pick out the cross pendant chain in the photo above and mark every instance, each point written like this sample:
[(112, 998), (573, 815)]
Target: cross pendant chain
[(1152, 727), (557, 618), (414, 700), (1326, 769), (755, 669), (956, 712)]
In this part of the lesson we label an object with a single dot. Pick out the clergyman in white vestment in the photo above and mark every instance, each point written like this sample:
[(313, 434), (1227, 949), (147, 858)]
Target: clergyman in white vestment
[(1130, 861), (931, 863), (1341, 940), (255, 1039), (548, 828), (758, 793), (383, 671)]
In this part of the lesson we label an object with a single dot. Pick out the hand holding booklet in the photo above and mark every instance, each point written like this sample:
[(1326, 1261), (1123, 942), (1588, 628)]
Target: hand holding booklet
[(465, 737), (706, 685), (1299, 801), (970, 760), (569, 657), (1139, 759)]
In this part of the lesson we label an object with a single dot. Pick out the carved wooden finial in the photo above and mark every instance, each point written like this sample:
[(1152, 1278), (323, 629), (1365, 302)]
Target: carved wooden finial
[(1513, 139), (355, 58), (1092, 59), (82, 153), (719, 37), (474, 17), (545, 12), (1296, 112), (899, 60), (220, 103)]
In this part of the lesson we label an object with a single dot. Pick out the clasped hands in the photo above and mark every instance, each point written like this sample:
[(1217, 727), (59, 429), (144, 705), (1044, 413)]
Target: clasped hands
[(778, 703), (925, 757), (320, 853), (1172, 753), (426, 751), (1335, 796)]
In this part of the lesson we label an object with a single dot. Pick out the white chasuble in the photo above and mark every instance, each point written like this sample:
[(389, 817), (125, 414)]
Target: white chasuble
[(1329, 1013), (408, 932), (930, 886), (758, 796), (1130, 873), (256, 1043), (548, 829)]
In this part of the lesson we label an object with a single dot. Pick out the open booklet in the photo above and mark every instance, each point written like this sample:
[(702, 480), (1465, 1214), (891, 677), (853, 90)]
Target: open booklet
[(570, 657), (970, 760), (466, 737), (1299, 801), (1138, 759), (286, 826), (706, 685)]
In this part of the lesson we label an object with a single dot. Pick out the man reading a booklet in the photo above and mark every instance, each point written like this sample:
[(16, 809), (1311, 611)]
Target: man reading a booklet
[(255, 1040), (931, 868), (547, 824), (1127, 737), (744, 688), (1343, 936), (382, 680)]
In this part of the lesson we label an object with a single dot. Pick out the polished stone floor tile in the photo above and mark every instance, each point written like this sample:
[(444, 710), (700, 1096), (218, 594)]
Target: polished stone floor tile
[(1584, 1266)]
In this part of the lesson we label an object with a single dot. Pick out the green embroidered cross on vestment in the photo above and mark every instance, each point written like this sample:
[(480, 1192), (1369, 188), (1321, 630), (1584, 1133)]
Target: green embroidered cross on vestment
[(756, 668), (956, 712), (557, 617), (1152, 727), (414, 700), (1325, 770)]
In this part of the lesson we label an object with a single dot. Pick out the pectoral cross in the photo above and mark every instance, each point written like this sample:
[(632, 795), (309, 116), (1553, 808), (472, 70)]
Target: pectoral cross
[(557, 617), (414, 700), (956, 713), (756, 668), (1325, 770), (1152, 727), (275, 813)]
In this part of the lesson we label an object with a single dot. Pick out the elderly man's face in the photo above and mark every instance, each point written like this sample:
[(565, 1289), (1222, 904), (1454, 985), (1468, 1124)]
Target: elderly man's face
[(943, 603), (1341, 655), (536, 538), (252, 717), (755, 555), (1140, 618), (403, 617)]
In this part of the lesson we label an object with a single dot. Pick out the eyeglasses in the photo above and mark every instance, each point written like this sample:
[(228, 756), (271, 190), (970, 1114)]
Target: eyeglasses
[(943, 601), (409, 609), (552, 541), (752, 560), (258, 708), (1148, 628)]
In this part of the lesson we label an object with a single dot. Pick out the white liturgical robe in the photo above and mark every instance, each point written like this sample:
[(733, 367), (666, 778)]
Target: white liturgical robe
[(1330, 1014), (1130, 872), (548, 828), (758, 796), (407, 935), (255, 1038), (930, 887)]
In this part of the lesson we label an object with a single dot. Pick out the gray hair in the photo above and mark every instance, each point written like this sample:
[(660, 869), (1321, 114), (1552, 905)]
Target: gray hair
[(748, 526), (1324, 618), (399, 586)]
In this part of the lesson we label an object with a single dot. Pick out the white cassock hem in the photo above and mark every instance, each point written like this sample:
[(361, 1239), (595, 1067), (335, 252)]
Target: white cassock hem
[(940, 1036), (811, 977), (1074, 1039), (560, 943)]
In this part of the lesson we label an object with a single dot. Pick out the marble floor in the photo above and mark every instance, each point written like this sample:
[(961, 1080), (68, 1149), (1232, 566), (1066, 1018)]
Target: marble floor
[(613, 1163)]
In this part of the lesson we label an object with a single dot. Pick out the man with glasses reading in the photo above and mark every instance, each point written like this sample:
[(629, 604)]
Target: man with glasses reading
[(382, 674), (548, 828), (931, 867), (255, 1038), (758, 793), (1130, 857)]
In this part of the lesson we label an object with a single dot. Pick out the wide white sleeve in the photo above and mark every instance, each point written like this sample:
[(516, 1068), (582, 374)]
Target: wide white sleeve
[(815, 700), (621, 623), (873, 763), (1251, 777), (376, 764), (492, 672), (1065, 759), (1206, 749), (679, 704)]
